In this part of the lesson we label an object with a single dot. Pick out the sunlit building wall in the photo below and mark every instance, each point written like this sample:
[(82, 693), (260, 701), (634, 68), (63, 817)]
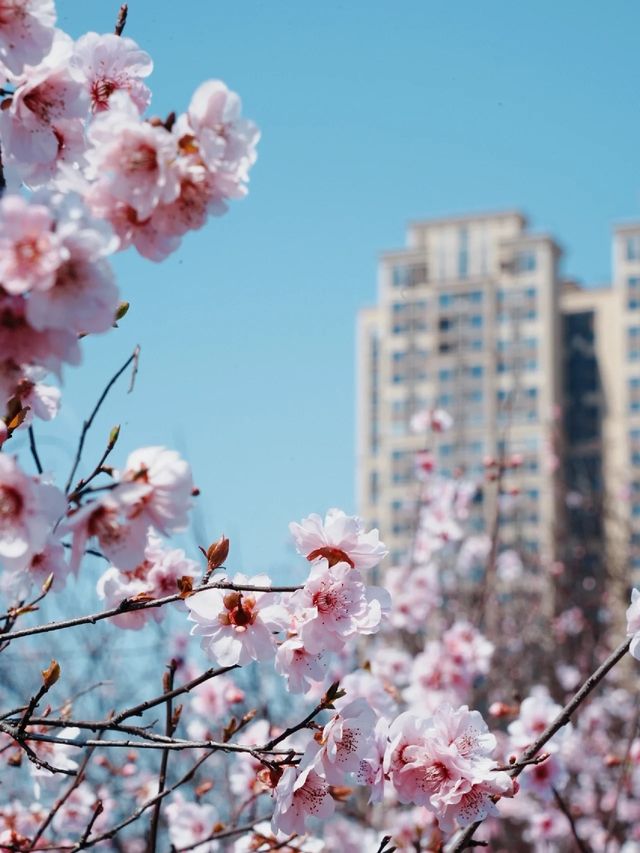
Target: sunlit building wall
[(467, 320)]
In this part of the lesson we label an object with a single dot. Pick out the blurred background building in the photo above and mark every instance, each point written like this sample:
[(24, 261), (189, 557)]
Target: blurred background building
[(474, 317)]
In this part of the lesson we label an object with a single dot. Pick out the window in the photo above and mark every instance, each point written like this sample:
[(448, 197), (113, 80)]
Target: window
[(401, 466), (463, 253), (373, 487), (633, 292), (409, 316), (634, 394), (525, 261), (633, 343), (409, 275), (633, 247)]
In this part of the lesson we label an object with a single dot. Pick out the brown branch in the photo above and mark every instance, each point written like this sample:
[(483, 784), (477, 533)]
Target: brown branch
[(97, 811), (31, 755), (62, 800), (109, 834), (81, 486), (624, 769), (86, 426), (580, 844), (170, 727), (226, 833), (122, 19), (157, 742), (325, 702), (128, 606), (34, 450), (460, 842)]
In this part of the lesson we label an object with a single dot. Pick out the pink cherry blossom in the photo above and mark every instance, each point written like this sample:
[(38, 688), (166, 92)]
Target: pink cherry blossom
[(134, 160), (360, 684), (131, 229), (541, 779), (347, 740), (335, 604), (213, 699), (19, 821), (166, 568), (29, 508), (443, 764), (122, 540), (633, 623), (26, 32), (30, 250), (298, 666), (226, 141), (238, 627), (371, 770), (43, 401), (50, 96), (340, 538), (190, 823), (109, 64), (300, 793), (156, 487), (47, 348), (84, 296), (24, 572), (114, 587), (537, 711)]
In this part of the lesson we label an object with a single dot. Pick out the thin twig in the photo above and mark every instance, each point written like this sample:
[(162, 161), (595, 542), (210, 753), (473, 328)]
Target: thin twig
[(62, 800), (580, 844), (128, 606), (34, 450), (87, 424), (461, 840), (624, 769), (122, 19), (109, 834), (97, 811), (170, 726), (31, 755)]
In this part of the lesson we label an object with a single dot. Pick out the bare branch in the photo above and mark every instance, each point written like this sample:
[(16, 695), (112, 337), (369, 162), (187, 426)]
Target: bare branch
[(87, 424), (122, 19), (461, 841)]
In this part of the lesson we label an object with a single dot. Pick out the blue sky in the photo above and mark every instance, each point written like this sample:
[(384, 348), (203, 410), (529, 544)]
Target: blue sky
[(372, 114)]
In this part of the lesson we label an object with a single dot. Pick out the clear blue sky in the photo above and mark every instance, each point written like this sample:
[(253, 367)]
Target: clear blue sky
[(372, 114)]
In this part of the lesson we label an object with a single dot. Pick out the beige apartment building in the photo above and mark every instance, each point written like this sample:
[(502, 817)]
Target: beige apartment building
[(473, 316)]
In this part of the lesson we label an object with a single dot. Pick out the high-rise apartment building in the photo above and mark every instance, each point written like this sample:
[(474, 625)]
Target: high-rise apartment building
[(474, 317)]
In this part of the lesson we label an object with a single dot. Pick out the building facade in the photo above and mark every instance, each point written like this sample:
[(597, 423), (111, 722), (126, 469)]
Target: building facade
[(473, 317)]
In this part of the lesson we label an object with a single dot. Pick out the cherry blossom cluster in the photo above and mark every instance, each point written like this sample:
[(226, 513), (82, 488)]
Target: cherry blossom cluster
[(298, 630), (75, 120), (103, 177)]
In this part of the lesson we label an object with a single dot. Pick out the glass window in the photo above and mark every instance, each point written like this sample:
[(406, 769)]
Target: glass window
[(463, 253), (633, 292), (633, 247), (525, 261)]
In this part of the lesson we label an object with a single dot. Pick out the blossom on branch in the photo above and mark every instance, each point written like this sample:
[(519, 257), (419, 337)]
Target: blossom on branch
[(238, 627), (334, 605), (340, 538)]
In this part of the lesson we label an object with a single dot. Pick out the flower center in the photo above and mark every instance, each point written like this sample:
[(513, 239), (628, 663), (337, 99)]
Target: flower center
[(332, 555), (142, 159), (435, 776), (11, 504), (101, 91), (240, 610)]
